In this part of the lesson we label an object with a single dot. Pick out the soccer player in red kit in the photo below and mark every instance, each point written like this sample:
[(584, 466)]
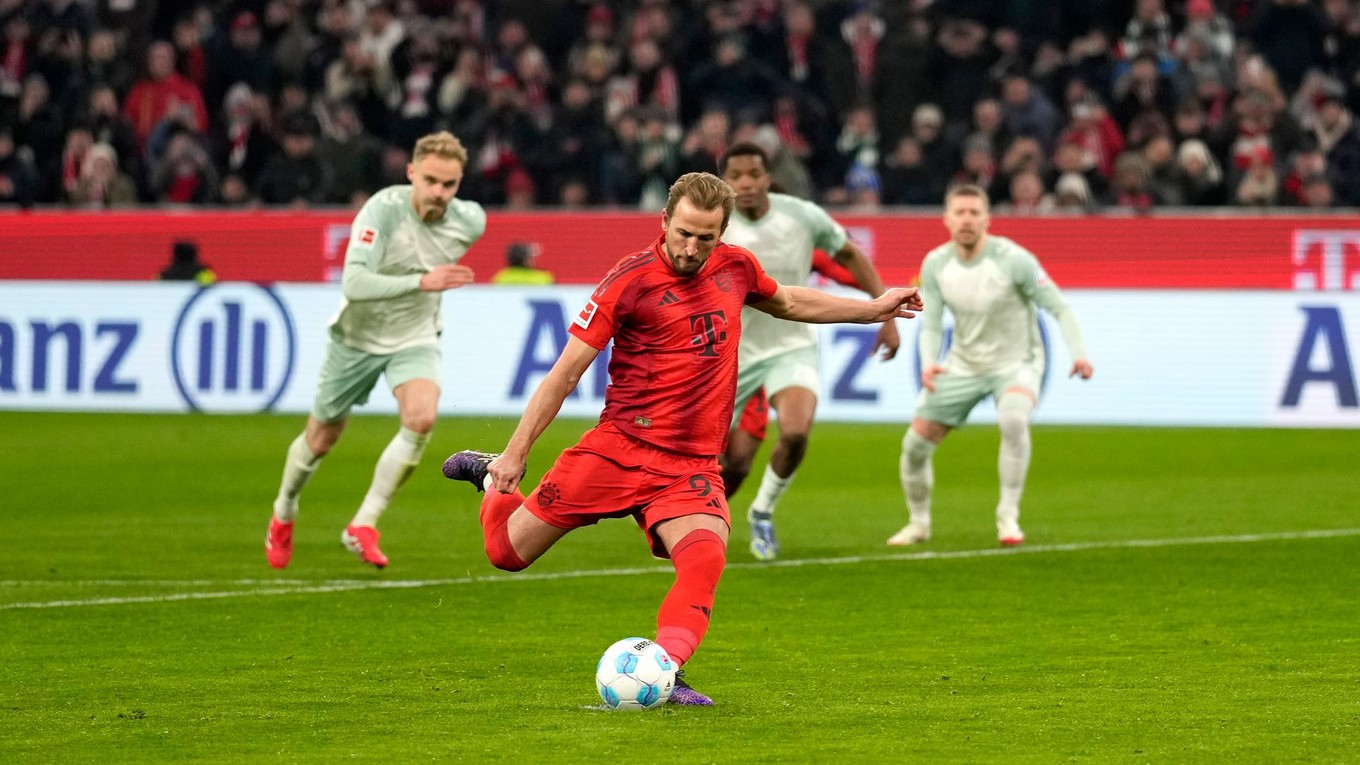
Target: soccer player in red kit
[(674, 314)]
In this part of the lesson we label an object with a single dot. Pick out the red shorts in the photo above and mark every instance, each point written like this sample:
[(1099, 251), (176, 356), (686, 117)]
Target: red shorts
[(756, 415), (609, 474)]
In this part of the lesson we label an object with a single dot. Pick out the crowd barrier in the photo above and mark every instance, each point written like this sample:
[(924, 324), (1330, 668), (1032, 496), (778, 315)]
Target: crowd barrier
[(1160, 252)]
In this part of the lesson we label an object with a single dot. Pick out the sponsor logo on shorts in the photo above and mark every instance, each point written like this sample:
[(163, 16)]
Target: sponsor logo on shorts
[(642, 422)]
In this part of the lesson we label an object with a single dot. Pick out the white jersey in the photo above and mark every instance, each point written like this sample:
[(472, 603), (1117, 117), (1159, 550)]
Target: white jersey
[(390, 249), (782, 240), (994, 300)]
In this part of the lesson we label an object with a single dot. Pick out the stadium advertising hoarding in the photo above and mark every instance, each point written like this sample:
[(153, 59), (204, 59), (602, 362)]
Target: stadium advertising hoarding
[(1202, 252), (1177, 357)]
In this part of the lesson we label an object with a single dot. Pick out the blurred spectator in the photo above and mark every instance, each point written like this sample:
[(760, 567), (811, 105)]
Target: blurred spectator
[(649, 81), (1163, 178), (243, 59), (242, 144), (1209, 28), (295, 175), (1200, 177), (161, 94), (186, 267), (620, 182), (290, 39), (181, 173), (18, 182), (521, 266), (571, 149), (938, 156), (1026, 196), (100, 184), (1307, 162), (1317, 192), (380, 34), (904, 177), (1132, 189), (335, 25), (356, 77), (418, 66), (705, 143), (353, 156), (658, 159), (1259, 186), (1027, 110), (191, 60), (1149, 31), (1289, 34), (959, 67), (734, 81), (500, 138), (1143, 89), (1072, 194), (40, 126), (105, 65), (1071, 159), (857, 146), (1338, 137), (1095, 135), (787, 172), (109, 126)]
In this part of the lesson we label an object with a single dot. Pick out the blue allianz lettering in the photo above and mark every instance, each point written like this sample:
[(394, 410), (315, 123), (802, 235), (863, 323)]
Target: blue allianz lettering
[(548, 321), (1323, 328), (844, 388), (64, 344)]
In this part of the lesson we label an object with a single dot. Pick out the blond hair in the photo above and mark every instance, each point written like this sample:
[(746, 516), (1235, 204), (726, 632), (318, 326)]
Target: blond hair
[(967, 190), (705, 191), (442, 144)]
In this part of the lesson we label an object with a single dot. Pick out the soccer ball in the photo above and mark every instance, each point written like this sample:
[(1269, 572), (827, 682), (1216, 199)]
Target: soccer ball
[(635, 673)]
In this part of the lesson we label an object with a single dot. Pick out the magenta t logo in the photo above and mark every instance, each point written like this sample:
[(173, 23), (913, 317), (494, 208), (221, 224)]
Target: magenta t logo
[(1326, 259)]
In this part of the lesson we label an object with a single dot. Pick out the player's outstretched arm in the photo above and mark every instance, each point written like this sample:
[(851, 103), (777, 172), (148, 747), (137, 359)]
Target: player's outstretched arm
[(816, 307), (446, 277), (868, 279), (561, 380)]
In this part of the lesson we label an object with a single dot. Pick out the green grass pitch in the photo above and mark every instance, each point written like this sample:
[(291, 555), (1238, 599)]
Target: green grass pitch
[(1183, 596)]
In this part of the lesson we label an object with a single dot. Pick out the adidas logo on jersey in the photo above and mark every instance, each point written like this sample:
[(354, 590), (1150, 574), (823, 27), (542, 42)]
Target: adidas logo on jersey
[(669, 298)]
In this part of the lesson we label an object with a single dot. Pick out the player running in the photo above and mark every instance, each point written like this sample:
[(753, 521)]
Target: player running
[(403, 253), (783, 232), (993, 287), (674, 313)]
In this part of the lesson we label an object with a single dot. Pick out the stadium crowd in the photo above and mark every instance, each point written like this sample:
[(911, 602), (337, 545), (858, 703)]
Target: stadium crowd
[(1052, 105)]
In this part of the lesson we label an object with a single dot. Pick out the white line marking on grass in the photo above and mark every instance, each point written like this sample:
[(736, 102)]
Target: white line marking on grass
[(270, 587)]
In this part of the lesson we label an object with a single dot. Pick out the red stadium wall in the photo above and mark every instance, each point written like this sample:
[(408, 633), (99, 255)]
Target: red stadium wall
[(1097, 252)]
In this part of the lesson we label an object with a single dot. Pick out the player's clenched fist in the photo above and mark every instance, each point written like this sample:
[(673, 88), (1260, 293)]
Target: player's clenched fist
[(446, 277)]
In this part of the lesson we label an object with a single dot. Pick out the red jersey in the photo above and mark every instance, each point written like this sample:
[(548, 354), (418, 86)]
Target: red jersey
[(673, 371)]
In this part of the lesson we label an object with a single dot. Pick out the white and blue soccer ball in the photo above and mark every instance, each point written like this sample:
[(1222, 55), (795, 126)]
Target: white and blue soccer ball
[(635, 673)]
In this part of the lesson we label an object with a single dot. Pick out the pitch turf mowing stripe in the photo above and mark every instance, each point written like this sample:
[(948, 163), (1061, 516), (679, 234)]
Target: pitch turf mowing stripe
[(347, 585)]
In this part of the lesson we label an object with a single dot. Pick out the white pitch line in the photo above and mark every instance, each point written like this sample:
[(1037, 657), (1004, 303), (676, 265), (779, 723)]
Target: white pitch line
[(306, 587)]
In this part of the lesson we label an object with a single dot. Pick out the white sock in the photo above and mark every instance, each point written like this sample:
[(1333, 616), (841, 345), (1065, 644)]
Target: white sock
[(297, 470), (1012, 464), (396, 464), (918, 475), (772, 487)]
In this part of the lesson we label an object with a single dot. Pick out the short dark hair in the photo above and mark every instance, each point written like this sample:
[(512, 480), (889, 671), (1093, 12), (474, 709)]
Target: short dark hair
[(743, 149)]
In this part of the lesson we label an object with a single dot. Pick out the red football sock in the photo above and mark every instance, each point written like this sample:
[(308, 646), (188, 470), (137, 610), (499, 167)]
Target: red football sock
[(680, 626), (495, 513)]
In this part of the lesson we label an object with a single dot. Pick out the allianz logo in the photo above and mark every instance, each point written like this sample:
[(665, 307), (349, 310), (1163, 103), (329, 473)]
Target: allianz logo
[(233, 349)]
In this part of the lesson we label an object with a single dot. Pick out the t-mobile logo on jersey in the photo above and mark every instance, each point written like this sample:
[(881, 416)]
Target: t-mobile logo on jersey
[(709, 328), (1326, 259)]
